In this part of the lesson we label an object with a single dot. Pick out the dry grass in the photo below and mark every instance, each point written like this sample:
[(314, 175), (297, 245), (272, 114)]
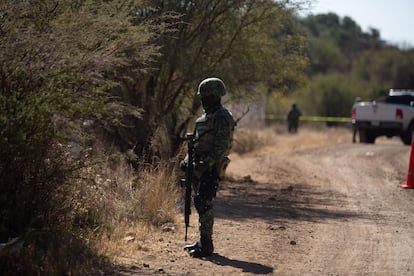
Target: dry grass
[(127, 205), (156, 195), (250, 139), (308, 137), (276, 138)]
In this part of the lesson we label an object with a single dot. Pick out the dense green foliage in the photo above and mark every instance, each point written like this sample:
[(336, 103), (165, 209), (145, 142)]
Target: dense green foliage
[(336, 41), (346, 62), (55, 59)]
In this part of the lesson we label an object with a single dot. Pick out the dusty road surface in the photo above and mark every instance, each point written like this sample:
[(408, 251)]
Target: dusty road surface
[(309, 204)]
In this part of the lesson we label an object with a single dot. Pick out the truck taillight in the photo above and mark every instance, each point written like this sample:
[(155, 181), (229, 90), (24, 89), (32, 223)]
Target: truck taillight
[(353, 114), (399, 113)]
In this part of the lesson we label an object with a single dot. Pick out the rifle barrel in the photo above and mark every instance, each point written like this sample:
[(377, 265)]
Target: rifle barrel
[(188, 182)]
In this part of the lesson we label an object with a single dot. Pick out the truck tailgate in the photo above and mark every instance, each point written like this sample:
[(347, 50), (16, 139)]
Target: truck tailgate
[(376, 113)]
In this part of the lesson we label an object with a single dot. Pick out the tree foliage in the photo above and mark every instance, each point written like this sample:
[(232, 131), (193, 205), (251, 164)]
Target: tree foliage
[(58, 62), (345, 32), (386, 68), (242, 42)]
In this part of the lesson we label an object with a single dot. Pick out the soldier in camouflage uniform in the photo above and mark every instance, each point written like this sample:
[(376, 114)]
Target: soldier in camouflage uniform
[(213, 140)]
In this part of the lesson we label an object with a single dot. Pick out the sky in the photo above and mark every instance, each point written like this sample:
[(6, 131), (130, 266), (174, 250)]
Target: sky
[(393, 18)]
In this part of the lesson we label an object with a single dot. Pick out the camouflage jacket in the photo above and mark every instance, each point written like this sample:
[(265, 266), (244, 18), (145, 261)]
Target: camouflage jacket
[(214, 136)]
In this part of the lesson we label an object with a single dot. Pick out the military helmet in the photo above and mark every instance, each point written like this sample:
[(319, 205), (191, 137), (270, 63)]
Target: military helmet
[(211, 86)]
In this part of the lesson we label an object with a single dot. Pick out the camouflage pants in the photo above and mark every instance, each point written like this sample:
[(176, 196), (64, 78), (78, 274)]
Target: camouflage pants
[(205, 225), (206, 191)]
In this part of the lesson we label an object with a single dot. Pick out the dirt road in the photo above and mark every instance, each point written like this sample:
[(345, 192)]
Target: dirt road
[(311, 204)]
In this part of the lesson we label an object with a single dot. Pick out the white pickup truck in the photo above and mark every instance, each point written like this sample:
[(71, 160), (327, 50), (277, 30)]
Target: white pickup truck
[(391, 116)]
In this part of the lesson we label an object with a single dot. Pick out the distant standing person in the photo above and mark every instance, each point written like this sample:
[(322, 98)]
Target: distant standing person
[(293, 119)]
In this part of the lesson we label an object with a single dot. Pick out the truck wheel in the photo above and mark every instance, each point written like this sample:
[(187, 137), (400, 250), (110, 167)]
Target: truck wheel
[(407, 136), (370, 136), (362, 136), (366, 136)]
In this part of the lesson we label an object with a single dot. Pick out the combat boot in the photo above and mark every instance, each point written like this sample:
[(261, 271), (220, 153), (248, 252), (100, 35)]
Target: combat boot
[(203, 249), (190, 247)]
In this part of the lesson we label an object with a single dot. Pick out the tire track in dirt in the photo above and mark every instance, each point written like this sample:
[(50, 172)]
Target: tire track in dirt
[(379, 241)]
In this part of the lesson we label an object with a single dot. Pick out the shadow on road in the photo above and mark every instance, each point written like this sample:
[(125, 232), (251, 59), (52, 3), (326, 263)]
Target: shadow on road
[(247, 267), (298, 201)]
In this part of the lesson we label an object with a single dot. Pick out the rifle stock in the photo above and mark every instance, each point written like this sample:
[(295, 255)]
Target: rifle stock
[(188, 182)]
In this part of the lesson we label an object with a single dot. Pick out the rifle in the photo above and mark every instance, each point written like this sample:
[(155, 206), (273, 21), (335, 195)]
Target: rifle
[(187, 181)]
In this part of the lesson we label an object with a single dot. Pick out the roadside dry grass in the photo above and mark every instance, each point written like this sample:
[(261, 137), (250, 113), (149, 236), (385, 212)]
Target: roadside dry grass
[(135, 206)]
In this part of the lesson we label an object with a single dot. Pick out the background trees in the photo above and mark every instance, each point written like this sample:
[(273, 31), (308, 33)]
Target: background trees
[(345, 63)]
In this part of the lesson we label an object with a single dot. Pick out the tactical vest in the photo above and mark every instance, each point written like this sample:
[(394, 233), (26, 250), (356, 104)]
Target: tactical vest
[(214, 136)]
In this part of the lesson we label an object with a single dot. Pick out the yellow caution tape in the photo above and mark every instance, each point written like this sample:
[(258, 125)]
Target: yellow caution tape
[(312, 118)]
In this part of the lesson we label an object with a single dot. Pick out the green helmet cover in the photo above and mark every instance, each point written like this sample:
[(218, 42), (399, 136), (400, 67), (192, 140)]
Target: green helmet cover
[(211, 86)]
